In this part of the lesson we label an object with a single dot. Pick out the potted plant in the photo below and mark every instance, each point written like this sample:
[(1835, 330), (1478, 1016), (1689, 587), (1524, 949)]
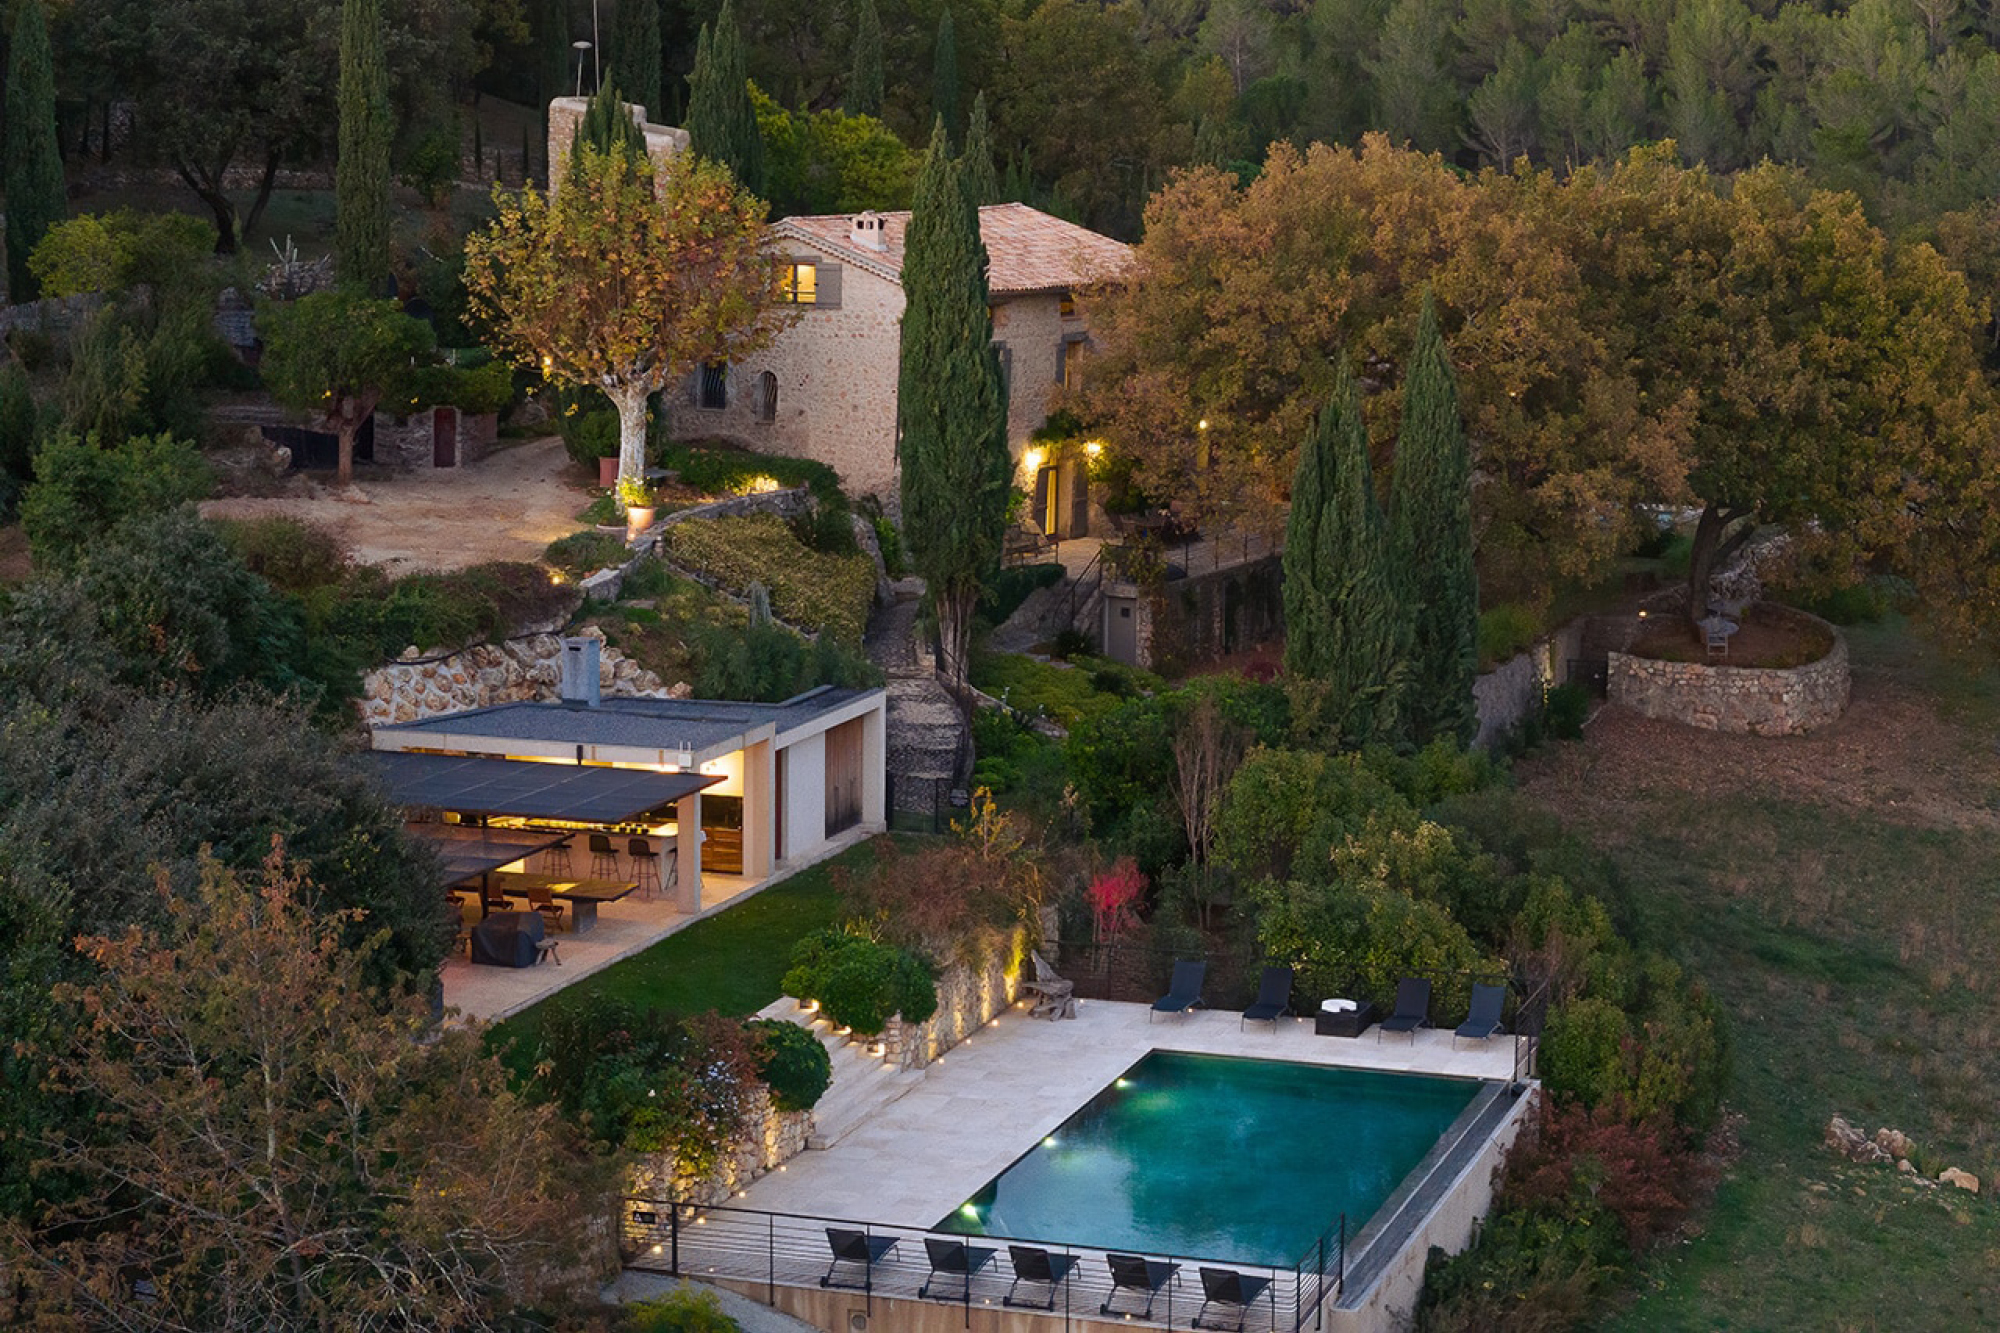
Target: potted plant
[(636, 498)]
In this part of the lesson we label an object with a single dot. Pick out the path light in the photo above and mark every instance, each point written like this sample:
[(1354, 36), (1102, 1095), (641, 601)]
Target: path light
[(1049, 1142)]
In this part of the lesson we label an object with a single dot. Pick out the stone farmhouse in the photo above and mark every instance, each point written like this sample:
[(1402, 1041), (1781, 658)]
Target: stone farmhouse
[(826, 389)]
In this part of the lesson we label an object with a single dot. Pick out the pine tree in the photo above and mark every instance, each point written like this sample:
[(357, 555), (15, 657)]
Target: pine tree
[(944, 74), (1432, 505), (982, 182), (361, 172), (721, 122), (955, 464), (1350, 639), (635, 59), (34, 173), (864, 83)]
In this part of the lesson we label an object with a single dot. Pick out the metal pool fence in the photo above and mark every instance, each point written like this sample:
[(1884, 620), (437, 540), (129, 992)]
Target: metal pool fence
[(757, 1248)]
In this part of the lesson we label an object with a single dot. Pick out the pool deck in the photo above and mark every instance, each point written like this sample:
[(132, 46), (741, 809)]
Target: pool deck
[(992, 1097)]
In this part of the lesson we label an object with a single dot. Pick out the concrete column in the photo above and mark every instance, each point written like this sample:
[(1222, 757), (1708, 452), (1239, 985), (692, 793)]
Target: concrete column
[(687, 852), (875, 767), (760, 802)]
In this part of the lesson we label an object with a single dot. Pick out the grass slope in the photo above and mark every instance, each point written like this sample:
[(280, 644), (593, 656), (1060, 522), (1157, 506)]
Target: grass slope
[(1840, 894), (731, 962)]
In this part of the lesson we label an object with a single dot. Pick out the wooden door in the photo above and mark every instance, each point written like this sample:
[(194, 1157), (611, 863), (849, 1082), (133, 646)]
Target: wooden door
[(843, 777), (444, 437)]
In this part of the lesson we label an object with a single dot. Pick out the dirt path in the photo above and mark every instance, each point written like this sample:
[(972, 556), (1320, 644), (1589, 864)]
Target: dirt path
[(507, 506)]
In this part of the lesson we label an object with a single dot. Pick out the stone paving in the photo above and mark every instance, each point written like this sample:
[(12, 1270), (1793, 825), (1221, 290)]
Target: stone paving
[(995, 1095)]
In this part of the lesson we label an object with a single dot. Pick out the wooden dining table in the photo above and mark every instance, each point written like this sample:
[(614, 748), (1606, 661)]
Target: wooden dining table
[(581, 895)]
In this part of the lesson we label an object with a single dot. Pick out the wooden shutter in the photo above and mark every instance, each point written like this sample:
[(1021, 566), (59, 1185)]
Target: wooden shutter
[(827, 288)]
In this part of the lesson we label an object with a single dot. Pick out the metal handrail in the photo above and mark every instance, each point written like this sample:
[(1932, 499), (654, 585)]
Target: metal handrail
[(774, 1249), (1077, 596)]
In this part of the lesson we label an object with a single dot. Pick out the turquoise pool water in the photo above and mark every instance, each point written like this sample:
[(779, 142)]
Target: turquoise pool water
[(1240, 1161)]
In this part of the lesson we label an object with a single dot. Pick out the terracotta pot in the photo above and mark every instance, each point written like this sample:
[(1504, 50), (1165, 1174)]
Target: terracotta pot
[(637, 519), (607, 472)]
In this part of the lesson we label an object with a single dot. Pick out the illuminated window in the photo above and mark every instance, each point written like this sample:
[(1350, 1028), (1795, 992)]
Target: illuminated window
[(800, 284), (1067, 306)]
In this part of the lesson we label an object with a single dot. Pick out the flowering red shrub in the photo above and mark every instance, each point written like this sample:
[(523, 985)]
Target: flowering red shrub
[(1640, 1172), (1114, 898)]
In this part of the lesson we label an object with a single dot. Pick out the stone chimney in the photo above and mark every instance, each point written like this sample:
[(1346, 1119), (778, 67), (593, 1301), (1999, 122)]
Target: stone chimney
[(579, 672), (865, 232)]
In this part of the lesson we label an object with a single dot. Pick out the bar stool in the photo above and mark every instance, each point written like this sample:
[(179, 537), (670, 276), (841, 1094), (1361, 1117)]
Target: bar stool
[(555, 861), (645, 869), (603, 861)]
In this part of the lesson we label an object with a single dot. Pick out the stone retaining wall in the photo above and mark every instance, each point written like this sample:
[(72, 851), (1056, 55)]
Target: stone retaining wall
[(969, 997), (1760, 701), (1514, 691), (775, 1137), (525, 668)]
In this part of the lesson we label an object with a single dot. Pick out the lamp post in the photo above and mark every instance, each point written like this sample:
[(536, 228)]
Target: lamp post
[(579, 48)]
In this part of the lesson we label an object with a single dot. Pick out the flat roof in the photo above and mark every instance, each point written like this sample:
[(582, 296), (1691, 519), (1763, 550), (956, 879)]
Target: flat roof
[(467, 851), (485, 786), (690, 725)]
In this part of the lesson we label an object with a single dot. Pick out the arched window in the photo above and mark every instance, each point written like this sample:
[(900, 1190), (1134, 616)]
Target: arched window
[(767, 397)]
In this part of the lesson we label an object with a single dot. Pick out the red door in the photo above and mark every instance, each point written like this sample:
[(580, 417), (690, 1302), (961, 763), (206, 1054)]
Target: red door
[(444, 437)]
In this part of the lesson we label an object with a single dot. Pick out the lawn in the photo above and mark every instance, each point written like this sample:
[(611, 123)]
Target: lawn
[(730, 962), (1840, 894)]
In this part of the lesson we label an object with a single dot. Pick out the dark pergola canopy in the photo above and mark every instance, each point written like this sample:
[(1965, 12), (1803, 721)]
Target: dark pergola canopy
[(470, 852), (518, 788)]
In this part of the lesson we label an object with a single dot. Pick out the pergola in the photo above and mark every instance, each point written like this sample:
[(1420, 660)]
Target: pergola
[(478, 788)]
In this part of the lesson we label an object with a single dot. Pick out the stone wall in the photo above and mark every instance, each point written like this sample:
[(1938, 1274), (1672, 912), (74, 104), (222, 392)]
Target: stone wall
[(566, 113), (835, 370), (1761, 701), (775, 1137), (415, 687), (1512, 692), (969, 997), (408, 441)]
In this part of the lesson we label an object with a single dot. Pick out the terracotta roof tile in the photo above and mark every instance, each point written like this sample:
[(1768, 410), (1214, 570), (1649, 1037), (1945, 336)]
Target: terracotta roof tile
[(1029, 250)]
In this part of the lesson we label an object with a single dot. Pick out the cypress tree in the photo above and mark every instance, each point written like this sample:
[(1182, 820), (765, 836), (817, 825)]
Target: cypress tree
[(721, 122), (34, 175), (1432, 506), (982, 182), (608, 127), (555, 62), (1356, 637), (1307, 632), (635, 60), (361, 172), (864, 82), (954, 419), (944, 74)]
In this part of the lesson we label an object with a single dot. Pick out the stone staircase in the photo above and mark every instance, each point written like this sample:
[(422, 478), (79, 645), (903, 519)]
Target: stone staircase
[(863, 1082), (926, 732)]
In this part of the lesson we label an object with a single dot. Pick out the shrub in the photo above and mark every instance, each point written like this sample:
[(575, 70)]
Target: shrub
[(1505, 630), (769, 664), (584, 553), (861, 983), (792, 1061), (81, 490), (1004, 592), (683, 1310), (722, 471), (828, 529), (587, 423), (1565, 710), (648, 577), (1856, 604), (290, 554), (1114, 898), (476, 389), (813, 590)]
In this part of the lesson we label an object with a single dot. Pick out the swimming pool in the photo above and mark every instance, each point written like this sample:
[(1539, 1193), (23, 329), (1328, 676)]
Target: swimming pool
[(1234, 1160)]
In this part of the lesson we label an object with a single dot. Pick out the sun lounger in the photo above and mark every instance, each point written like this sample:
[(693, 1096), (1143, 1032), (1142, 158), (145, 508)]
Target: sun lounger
[(855, 1247), (1274, 998), (1484, 1019), (1231, 1291), (954, 1258), (1185, 992), (1130, 1272), (1413, 1004), (1039, 1267)]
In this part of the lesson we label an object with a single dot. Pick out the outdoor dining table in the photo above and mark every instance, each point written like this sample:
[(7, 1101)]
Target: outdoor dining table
[(582, 895)]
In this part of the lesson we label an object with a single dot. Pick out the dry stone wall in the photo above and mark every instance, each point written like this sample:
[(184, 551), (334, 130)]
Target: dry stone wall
[(969, 997), (1759, 701), (414, 688), (775, 1137)]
